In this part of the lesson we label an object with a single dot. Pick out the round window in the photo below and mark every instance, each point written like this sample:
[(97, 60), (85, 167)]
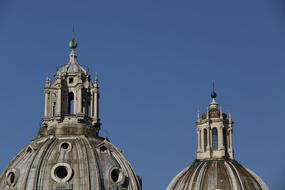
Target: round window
[(61, 172), (11, 177), (65, 146), (117, 176)]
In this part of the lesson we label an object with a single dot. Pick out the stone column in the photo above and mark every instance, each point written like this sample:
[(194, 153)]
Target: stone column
[(91, 104), (46, 104), (59, 101), (199, 140), (231, 140), (79, 100), (96, 105), (202, 140), (209, 134), (221, 138)]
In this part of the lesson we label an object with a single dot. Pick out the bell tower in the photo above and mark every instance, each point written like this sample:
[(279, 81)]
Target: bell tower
[(214, 131), (71, 98)]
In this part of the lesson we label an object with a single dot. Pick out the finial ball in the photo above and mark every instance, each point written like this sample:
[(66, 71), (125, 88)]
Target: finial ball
[(72, 43), (213, 94)]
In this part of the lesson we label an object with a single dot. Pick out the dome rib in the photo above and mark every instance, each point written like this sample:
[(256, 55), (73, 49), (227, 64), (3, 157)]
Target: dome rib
[(94, 171), (31, 161), (236, 175), (43, 163), (100, 182), (259, 180), (231, 176), (125, 165), (84, 164)]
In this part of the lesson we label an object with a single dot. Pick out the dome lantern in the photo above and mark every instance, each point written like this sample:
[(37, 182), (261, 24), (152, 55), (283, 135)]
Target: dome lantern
[(214, 133)]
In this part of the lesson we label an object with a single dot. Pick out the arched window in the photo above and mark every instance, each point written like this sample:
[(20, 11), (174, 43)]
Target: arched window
[(205, 139), (215, 139), (53, 109), (88, 109), (70, 103)]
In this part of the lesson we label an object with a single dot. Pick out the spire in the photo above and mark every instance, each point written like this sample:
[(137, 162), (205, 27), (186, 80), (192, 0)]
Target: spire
[(230, 117), (96, 84), (96, 95), (198, 116), (73, 46), (47, 80), (213, 93)]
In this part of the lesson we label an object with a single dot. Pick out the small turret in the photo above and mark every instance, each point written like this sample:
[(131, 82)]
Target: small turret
[(214, 133)]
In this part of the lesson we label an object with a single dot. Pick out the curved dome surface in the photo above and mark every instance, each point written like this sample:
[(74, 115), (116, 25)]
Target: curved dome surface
[(69, 162), (72, 68), (217, 175)]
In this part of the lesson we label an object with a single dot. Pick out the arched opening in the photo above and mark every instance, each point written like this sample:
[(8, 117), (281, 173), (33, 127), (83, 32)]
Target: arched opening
[(205, 139), (53, 109), (70, 103), (88, 109), (215, 139)]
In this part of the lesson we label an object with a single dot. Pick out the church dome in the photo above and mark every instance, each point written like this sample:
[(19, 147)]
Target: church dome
[(217, 174), (69, 152), (215, 167), (69, 162)]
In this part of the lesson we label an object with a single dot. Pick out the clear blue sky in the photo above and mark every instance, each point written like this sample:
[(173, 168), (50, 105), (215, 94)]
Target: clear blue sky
[(156, 61)]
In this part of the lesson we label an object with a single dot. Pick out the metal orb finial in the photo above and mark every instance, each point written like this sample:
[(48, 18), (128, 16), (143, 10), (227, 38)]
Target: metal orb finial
[(73, 43), (213, 93)]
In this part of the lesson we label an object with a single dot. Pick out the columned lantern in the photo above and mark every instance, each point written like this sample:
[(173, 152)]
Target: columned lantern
[(214, 133), (71, 97)]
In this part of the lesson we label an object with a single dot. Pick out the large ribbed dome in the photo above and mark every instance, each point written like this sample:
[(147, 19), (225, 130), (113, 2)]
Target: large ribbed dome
[(217, 174), (69, 162), (69, 153)]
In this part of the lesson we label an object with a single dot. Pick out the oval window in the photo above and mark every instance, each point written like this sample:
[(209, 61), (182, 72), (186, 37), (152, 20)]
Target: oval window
[(117, 176), (11, 177)]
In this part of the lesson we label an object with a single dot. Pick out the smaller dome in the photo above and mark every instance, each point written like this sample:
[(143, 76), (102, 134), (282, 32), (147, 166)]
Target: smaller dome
[(217, 174), (72, 68)]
